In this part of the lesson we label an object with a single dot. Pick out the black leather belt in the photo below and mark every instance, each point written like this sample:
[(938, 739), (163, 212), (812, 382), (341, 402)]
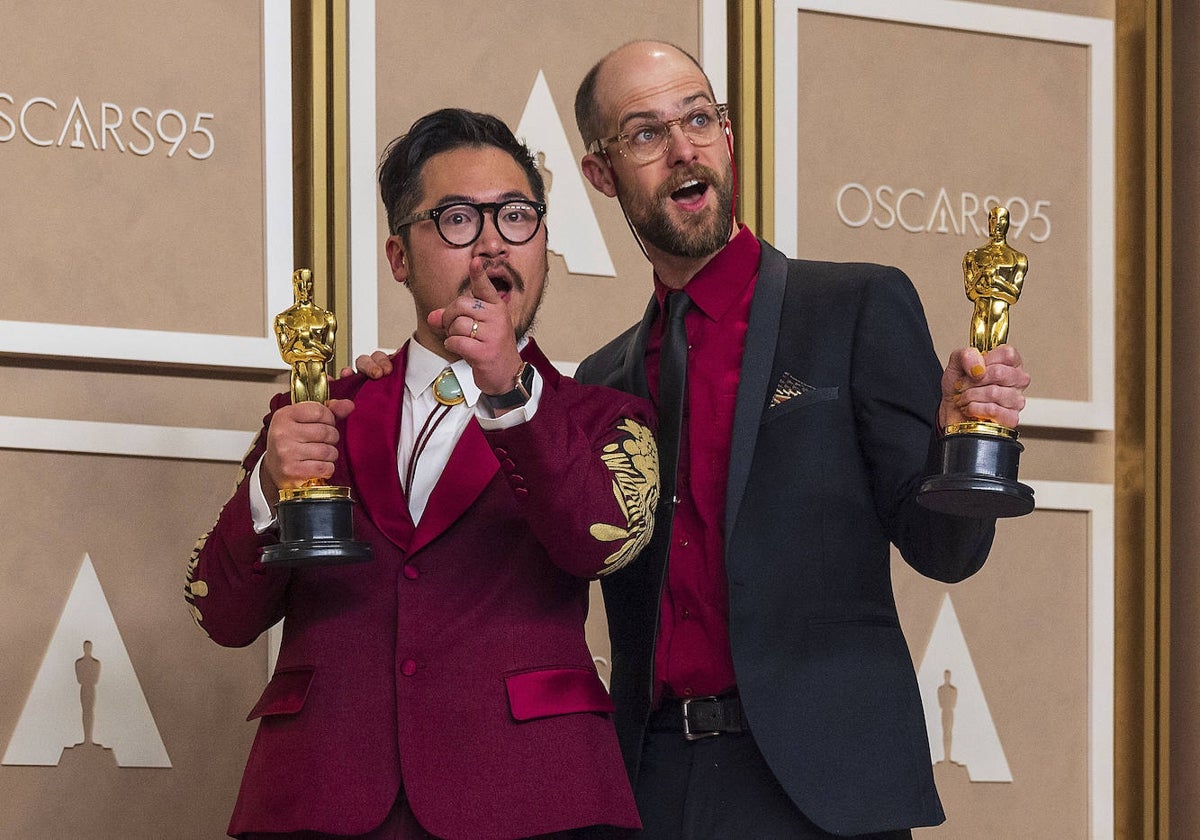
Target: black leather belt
[(699, 717)]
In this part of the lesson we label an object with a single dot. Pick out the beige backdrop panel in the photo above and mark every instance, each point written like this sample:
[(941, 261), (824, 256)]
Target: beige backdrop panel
[(973, 115), (110, 228), (460, 66), (173, 397), (136, 519), (1025, 619)]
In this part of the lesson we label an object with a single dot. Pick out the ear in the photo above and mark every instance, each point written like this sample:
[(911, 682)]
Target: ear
[(397, 258), (598, 170)]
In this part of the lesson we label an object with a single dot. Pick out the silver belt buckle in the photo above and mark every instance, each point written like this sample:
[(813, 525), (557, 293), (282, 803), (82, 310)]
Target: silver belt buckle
[(688, 734)]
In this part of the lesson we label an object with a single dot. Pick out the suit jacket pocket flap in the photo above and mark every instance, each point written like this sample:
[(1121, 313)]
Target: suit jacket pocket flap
[(284, 694), (555, 691), (816, 395)]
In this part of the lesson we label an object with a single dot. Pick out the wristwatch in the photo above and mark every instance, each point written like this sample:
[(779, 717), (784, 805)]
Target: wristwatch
[(517, 396)]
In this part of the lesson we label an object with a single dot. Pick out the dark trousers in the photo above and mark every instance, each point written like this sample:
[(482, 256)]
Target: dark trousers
[(719, 788)]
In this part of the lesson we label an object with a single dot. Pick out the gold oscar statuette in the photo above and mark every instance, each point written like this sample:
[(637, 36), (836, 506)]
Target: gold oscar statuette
[(316, 525), (980, 458)]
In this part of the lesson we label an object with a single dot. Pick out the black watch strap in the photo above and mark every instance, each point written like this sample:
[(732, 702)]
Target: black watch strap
[(518, 395)]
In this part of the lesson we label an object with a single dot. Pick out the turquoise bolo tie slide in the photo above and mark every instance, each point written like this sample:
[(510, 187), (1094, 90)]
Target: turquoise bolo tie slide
[(446, 389)]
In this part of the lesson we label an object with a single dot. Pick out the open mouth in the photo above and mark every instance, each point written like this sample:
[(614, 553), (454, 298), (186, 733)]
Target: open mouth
[(690, 195), (501, 281)]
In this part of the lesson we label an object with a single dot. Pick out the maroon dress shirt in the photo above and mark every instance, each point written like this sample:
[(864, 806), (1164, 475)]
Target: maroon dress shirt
[(692, 657)]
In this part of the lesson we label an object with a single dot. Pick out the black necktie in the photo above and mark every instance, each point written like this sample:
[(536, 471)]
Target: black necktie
[(672, 391)]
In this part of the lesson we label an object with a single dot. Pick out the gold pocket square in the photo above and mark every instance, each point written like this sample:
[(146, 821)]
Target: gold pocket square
[(788, 387)]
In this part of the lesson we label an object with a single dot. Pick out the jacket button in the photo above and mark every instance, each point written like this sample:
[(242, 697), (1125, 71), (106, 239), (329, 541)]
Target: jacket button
[(408, 667), (410, 572)]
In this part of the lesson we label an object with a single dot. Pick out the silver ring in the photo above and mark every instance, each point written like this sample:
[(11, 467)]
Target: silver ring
[(474, 328)]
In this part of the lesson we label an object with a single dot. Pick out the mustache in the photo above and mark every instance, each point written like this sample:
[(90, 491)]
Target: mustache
[(694, 172), (516, 280)]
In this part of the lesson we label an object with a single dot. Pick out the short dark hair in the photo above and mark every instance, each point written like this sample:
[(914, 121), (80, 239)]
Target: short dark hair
[(587, 110), (404, 159), (586, 117)]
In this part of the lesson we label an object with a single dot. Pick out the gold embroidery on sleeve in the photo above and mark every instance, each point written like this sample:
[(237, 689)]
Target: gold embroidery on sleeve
[(193, 588), (633, 461)]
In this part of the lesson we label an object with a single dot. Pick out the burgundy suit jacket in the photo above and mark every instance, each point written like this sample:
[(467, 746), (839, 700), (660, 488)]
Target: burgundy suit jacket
[(454, 663)]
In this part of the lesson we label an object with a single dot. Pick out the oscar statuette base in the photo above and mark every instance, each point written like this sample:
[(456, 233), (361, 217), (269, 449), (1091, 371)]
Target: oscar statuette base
[(316, 530), (978, 475)]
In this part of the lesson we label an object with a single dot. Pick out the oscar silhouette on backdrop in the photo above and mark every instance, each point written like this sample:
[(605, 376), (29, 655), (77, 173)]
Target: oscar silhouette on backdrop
[(87, 753), (87, 674), (947, 698)]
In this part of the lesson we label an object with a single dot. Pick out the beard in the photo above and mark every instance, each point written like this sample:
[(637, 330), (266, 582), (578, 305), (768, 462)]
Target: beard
[(526, 320), (695, 236)]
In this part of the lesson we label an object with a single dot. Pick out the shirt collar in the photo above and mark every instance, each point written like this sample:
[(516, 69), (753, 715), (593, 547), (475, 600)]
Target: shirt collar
[(722, 280), (424, 366)]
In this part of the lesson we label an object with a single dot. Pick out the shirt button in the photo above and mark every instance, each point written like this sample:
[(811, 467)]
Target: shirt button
[(687, 692), (410, 572), (686, 613), (408, 667)]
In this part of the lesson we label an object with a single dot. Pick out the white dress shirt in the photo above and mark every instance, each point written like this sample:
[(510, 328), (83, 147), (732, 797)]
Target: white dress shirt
[(422, 369)]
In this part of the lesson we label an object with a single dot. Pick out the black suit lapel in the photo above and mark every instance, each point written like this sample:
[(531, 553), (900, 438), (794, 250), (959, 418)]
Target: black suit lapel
[(621, 363), (754, 382), (633, 369)]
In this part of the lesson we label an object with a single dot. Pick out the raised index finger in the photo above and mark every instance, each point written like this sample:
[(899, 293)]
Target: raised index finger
[(481, 284)]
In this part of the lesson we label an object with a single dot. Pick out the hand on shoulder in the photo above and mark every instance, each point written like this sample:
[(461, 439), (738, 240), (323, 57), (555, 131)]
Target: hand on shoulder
[(374, 366)]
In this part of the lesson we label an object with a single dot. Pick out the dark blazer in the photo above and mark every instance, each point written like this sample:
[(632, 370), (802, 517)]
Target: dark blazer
[(454, 663), (818, 487)]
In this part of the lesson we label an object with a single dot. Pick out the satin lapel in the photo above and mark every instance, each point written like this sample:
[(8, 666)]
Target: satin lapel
[(634, 370), (469, 470), (372, 435), (755, 379)]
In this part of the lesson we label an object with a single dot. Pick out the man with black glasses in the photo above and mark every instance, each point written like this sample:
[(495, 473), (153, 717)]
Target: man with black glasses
[(445, 688)]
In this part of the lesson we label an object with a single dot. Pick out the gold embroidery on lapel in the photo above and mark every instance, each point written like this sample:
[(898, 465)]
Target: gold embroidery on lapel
[(633, 461)]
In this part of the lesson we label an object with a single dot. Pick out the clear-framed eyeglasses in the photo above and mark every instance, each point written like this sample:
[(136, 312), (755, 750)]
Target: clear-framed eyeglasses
[(645, 140), (461, 223)]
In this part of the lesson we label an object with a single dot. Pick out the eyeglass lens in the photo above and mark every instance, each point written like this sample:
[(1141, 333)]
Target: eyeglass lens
[(461, 224), (646, 140)]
